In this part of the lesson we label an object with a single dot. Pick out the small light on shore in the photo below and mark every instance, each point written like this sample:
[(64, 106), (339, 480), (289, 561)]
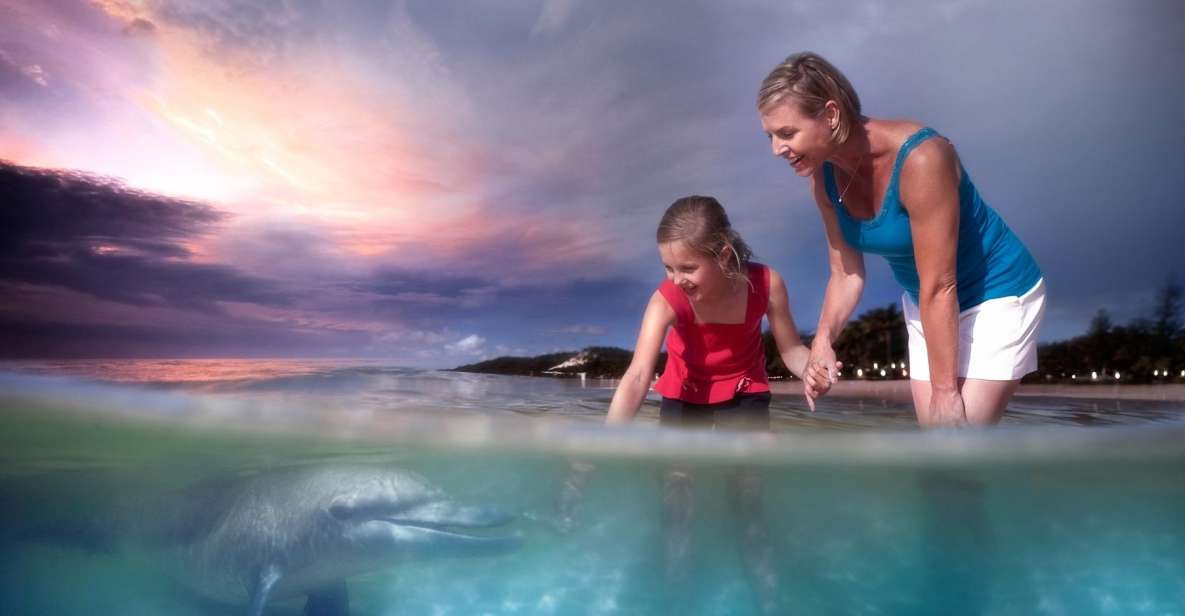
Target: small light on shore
[(904, 372), (1073, 377), (1156, 373), (1183, 373), (882, 372), (1116, 375), (1094, 376), (860, 372), (893, 365), (874, 365)]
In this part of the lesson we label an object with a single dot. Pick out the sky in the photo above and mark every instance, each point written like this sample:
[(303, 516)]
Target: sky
[(434, 183)]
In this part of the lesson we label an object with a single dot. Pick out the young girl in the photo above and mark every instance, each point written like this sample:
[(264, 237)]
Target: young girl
[(712, 301)]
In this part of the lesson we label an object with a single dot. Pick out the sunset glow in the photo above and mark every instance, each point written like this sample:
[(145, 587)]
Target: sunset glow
[(391, 179)]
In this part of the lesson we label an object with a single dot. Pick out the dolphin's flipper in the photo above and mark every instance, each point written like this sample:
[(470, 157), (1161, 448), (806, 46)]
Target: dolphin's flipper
[(332, 600), (268, 576)]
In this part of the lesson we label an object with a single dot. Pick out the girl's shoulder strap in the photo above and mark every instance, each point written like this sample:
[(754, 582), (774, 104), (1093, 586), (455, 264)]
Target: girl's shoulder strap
[(758, 291), (678, 301)]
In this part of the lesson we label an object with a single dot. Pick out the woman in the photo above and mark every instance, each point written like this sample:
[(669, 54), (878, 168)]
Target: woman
[(974, 296)]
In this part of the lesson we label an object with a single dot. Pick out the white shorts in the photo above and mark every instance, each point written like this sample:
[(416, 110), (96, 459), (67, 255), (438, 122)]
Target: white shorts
[(997, 339)]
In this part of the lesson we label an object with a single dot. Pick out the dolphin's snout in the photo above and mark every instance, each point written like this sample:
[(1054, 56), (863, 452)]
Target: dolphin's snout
[(428, 539), (448, 514), (430, 523), (438, 512)]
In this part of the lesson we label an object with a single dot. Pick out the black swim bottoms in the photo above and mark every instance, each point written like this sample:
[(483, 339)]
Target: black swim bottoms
[(743, 412)]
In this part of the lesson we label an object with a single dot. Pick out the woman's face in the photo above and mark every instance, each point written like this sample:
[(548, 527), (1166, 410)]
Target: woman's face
[(804, 141), (699, 275)]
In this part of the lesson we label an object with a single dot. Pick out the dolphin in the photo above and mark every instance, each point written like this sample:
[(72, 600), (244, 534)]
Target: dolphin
[(301, 532)]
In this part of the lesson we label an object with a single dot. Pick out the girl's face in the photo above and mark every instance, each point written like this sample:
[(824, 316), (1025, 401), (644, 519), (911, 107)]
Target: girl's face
[(699, 275), (804, 141)]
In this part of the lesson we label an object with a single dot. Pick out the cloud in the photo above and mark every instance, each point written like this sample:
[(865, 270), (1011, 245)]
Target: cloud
[(425, 286), (36, 74), (139, 27), (48, 321), (499, 168), (54, 208), (583, 330), (94, 235), (469, 345), (552, 17), (260, 35), (12, 70), (503, 350), (85, 254)]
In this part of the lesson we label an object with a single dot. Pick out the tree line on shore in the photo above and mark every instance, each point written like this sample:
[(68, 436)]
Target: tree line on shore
[(1149, 349)]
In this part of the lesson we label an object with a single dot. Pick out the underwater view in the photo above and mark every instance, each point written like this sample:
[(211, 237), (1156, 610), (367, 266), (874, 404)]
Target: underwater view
[(808, 217), (156, 487)]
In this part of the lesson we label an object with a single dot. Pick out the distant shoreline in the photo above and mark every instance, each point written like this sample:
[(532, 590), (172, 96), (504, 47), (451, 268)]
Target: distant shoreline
[(604, 365), (898, 390)]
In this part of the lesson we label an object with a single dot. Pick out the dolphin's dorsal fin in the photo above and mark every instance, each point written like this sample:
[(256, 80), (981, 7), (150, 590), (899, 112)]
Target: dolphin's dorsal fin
[(330, 600), (266, 580)]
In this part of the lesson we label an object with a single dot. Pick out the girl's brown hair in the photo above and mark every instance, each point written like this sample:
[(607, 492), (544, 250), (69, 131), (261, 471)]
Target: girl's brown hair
[(701, 223)]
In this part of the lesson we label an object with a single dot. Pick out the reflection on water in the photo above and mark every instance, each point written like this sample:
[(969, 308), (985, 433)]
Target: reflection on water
[(851, 510), (367, 386)]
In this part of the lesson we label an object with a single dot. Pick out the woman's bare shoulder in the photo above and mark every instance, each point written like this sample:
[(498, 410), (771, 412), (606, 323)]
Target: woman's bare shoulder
[(891, 134), (932, 156)]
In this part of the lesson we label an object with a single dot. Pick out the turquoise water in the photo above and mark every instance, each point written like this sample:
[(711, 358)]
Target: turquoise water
[(849, 511)]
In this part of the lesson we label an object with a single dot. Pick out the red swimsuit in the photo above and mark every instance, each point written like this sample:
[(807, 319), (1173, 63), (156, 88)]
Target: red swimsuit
[(713, 362)]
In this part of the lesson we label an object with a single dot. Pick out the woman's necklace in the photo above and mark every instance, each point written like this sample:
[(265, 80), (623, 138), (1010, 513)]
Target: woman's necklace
[(852, 177)]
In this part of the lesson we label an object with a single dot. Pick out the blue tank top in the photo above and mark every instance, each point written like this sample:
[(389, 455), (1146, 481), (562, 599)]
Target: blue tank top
[(991, 261)]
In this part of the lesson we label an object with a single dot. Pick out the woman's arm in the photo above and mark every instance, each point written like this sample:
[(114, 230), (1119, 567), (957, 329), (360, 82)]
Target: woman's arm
[(930, 193), (844, 287), (636, 380)]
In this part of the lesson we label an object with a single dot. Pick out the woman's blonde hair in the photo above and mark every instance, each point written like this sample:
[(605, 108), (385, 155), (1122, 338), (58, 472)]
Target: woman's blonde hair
[(811, 81), (701, 223)]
